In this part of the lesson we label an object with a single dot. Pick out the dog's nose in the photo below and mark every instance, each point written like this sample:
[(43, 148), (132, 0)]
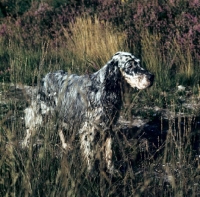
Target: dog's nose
[(150, 77)]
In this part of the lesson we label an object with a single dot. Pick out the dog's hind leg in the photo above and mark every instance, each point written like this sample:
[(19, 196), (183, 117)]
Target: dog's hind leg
[(32, 120)]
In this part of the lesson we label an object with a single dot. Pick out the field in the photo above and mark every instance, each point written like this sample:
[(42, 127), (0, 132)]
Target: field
[(156, 143)]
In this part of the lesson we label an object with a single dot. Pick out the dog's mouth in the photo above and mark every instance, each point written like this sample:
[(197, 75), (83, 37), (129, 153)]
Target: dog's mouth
[(139, 81)]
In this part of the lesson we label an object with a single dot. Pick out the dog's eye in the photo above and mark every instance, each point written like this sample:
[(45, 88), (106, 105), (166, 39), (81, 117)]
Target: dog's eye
[(135, 63), (129, 65)]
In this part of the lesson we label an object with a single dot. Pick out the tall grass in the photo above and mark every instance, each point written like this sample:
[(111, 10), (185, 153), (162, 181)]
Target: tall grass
[(93, 42), (163, 63), (158, 160), (154, 59), (87, 43), (172, 67)]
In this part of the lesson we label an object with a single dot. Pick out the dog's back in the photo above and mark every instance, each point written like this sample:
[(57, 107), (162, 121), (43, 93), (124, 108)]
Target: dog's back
[(66, 94)]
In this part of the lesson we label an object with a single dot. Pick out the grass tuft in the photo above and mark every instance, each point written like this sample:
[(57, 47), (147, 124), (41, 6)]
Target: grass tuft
[(92, 41)]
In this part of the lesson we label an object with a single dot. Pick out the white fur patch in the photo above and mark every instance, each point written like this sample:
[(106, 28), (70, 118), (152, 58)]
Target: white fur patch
[(137, 81), (87, 144), (32, 116)]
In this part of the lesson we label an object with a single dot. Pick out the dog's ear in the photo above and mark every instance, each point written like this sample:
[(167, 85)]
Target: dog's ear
[(112, 73), (114, 62)]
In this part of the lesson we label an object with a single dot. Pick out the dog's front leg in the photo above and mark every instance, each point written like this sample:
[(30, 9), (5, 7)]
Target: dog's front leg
[(87, 134), (25, 142), (108, 155)]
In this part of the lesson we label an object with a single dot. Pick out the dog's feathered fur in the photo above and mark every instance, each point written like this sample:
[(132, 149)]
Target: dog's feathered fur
[(93, 101)]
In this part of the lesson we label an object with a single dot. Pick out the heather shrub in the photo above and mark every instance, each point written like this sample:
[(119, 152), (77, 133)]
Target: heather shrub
[(176, 23), (14, 7)]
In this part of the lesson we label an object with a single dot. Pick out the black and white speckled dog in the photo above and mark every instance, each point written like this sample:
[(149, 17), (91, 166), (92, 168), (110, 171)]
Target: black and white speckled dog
[(93, 101)]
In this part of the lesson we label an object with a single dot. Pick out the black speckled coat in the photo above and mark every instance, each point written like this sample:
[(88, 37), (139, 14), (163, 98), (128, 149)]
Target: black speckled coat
[(95, 97)]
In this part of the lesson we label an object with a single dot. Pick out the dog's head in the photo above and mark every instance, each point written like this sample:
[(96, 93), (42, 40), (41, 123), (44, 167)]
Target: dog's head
[(130, 68)]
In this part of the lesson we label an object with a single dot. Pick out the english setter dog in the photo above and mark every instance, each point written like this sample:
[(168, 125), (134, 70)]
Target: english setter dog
[(93, 101)]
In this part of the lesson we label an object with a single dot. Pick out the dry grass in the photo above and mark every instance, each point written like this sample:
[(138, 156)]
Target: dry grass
[(177, 59), (151, 53), (154, 59), (157, 160), (184, 60), (93, 42)]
